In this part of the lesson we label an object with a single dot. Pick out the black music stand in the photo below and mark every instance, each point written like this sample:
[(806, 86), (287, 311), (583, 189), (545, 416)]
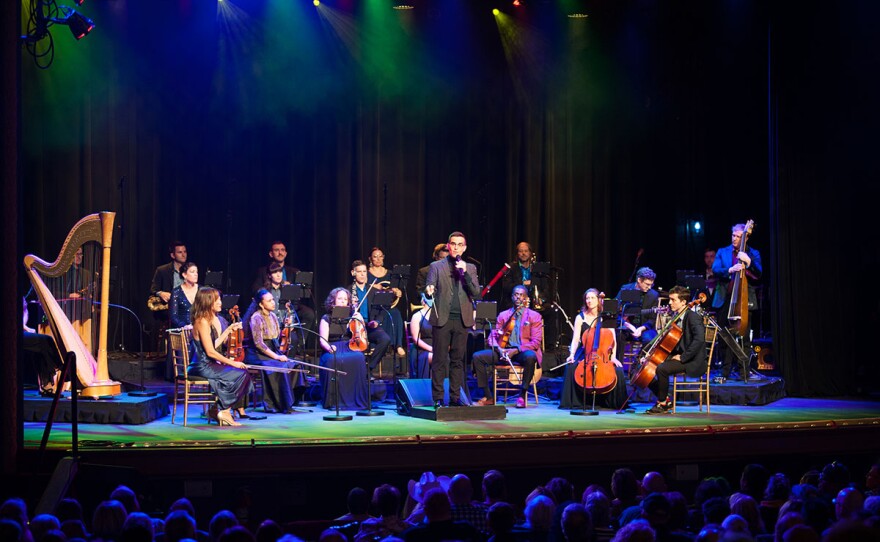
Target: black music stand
[(381, 303), (400, 275), (293, 293), (214, 279), (487, 315), (338, 315)]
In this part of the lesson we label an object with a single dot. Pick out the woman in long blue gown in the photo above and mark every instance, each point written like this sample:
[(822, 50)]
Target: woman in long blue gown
[(228, 378), (353, 387)]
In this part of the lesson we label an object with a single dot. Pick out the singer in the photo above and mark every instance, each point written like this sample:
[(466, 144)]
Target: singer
[(454, 286)]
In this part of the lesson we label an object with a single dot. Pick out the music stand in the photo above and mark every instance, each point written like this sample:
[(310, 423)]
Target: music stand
[(541, 269), (214, 279), (339, 315), (487, 314), (381, 302), (293, 293), (228, 302), (305, 279)]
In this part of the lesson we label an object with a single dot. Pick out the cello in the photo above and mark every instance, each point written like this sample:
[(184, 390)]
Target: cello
[(738, 312), (596, 371), (235, 341), (662, 346)]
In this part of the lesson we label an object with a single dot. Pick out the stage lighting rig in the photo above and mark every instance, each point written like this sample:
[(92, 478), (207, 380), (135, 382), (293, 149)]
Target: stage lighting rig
[(42, 15)]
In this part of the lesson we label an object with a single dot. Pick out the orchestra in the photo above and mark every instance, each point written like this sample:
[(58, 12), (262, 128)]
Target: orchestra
[(434, 335)]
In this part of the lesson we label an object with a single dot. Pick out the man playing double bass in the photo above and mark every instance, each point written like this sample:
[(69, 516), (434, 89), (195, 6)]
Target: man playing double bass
[(688, 356), (520, 330), (729, 261)]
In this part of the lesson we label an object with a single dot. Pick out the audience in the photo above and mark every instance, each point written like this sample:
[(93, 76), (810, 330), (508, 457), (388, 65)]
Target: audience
[(448, 510)]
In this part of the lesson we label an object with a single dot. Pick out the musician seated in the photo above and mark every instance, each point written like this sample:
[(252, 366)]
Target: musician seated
[(574, 393), (42, 355), (229, 379), (521, 274), (517, 336), (278, 255), (361, 297), (422, 352), (688, 356), (354, 392), (391, 321), (440, 252), (262, 333), (638, 318)]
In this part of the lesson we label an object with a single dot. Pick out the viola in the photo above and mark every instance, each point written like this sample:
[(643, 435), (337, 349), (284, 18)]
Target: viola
[(596, 371), (235, 341), (284, 340), (358, 341), (662, 347)]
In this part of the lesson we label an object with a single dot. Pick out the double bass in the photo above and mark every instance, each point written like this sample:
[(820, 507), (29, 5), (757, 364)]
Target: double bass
[(662, 346), (738, 312), (235, 341), (596, 371)]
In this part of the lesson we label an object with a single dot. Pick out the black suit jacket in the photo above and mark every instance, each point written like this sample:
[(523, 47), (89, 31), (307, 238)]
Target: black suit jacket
[(513, 278), (440, 275), (649, 300), (692, 345), (163, 279)]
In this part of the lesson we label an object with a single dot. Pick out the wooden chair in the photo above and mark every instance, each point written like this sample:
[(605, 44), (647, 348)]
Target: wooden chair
[(193, 389), (509, 379), (699, 386)]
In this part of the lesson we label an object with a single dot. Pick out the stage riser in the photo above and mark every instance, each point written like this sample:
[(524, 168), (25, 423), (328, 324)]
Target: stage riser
[(122, 409)]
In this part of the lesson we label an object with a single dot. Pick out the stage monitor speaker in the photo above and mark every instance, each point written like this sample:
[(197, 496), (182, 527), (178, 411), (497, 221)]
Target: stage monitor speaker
[(416, 392)]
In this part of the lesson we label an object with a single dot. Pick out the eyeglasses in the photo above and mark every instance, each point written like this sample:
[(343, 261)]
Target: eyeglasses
[(457, 244)]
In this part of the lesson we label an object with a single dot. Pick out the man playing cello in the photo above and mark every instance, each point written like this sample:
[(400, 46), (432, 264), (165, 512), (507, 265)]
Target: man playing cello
[(688, 356)]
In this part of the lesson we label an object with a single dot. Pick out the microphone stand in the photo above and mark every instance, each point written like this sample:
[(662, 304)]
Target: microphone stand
[(593, 368), (335, 370), (299, 325), (142, 392)]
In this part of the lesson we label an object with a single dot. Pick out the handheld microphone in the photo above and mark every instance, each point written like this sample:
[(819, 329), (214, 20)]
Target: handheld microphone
[(457, 270)]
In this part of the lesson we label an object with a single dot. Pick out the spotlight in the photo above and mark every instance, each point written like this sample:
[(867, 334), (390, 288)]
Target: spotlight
[(400, 5), (496, 11), (577, 15), (517, 3), (316, 2), (697, 226), (79, 25)]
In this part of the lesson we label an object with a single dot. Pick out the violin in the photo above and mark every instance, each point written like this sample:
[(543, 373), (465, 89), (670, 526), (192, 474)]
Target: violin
[(596, 371), (235, 341), (358, 341), (738, 313), (662, 346), (284, 340)]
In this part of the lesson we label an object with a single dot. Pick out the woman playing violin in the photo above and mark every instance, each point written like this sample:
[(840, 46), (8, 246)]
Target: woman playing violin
[(688, 356), (262, 332), (572, 393), (353, 388)]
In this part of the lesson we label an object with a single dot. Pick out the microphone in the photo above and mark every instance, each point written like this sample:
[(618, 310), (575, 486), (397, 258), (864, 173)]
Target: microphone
[(457, 270)]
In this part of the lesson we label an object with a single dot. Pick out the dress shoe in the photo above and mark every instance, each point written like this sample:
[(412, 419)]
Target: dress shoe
[(457, 403), (660, 408), (437, 404), (520, 403), (485, 401)]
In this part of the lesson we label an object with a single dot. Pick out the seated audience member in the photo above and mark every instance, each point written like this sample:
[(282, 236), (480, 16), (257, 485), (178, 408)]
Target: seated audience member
[(833, 478), (179, 525), (715, 510), (848, 503), (461, 493), (494, 487), (107, 520), (42, 524), (656, 510), (268, 531), (709, 534), (221, 521), (786, 522), (598, 505), (850, 529), (678, 513), (236, 534), (74, 528), (576, 524), (872, 481), (69, 509), (635, 531), (332, 535), (358, 503), (500, 520), (747, 507), (800, 533), (10, 530), (653, 482), (440, 525), (753, 481), (625, 490), (138, 527), (414, 510), (539, 518), (562, 493), (775, 494), (386, 503), (126, 496)]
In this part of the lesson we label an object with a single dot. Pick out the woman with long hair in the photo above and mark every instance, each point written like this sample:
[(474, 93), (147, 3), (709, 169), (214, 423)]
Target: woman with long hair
[(392, 321), (354, 392), (184, 295), (229, 379)]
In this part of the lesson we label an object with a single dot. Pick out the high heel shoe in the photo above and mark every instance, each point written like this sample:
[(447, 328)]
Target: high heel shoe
[(224, 417), (212, 413)]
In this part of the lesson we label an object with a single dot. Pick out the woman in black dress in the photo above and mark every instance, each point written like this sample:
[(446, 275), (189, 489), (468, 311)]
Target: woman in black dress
[(354, 391)]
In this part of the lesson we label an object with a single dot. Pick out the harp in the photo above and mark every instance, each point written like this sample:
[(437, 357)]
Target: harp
[(91, 364)]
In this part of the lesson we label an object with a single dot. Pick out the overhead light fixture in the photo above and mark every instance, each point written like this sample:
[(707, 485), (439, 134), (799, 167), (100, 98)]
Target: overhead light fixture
[(577, 15), (79, 25), (402, 6)]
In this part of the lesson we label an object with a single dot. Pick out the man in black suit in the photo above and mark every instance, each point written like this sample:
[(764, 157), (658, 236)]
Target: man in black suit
[(167, 277), (278, 254), (521, 274), (688, 356), (454, 287)]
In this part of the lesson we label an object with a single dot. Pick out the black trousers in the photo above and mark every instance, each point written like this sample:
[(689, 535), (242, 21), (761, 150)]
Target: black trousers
[(486, 360), (450, 345), (660, 385)]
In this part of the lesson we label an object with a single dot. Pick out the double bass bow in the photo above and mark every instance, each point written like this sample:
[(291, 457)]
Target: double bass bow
[(738, 312), (662, 346)]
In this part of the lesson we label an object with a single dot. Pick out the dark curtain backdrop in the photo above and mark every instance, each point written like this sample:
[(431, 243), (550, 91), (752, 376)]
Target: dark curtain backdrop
[(590, 139)]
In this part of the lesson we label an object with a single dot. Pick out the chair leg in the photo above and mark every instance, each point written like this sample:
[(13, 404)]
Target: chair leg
[(495, 386), (174, 405)]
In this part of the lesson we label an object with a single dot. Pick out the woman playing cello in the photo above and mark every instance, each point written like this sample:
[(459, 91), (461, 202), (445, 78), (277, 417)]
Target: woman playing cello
[(572, 392), (688, 356)]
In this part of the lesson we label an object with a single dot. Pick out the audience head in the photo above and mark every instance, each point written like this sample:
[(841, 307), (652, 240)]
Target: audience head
[(69, 509), (269, 531), (872, 505), (800, 533), (810, 477), (778, 488), (598, 506), (332, 535), (460, 490), (221, 521), (126, 496), (872, 479), (653, 482), (10, 530), (707, 489), (710, 533), (850, 529), (539, 513), (576, 523), (635, 531), (501, 518), (179, 524), (108, 519), (753, 480), (735, 523), (678, 510), (386, 500), (494, 486), (436, 505), (624, 485), (560, 489), (656, 510), (817, 514), (236, 534), (848, 503), (786, 522), (16, 510), (138, 527), (358, 501), (183, 504), (747, 508), (42, 524), (833, 478), (715, 510), (74, 528)]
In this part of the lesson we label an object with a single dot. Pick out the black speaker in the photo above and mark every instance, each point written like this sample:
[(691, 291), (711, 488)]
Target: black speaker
[(416, 392)]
